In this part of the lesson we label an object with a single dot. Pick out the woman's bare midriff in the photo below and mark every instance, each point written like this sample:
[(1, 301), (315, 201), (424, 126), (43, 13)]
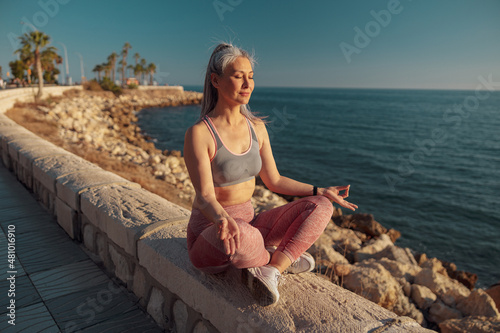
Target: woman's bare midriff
[(235, 194)]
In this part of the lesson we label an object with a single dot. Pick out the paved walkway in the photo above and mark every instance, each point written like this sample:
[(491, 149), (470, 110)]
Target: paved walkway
[(57, 287)]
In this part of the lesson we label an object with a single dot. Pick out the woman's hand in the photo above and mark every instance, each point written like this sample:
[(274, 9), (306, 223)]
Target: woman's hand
[(334, 193), (229, 232)]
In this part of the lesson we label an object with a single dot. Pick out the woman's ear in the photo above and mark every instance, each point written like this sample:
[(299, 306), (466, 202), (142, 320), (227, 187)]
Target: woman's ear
[(214, 79)]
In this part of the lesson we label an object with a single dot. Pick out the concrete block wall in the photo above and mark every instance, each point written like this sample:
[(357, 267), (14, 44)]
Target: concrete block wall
[(141, 239)]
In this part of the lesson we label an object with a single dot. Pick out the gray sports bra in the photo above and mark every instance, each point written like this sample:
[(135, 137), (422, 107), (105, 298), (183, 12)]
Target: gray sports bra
[(229, 168)]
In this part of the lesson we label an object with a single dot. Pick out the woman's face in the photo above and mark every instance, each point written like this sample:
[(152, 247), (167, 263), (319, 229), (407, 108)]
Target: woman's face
[(236, 84)]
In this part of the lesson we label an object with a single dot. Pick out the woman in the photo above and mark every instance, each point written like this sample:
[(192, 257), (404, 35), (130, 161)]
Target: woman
[(224, 151)]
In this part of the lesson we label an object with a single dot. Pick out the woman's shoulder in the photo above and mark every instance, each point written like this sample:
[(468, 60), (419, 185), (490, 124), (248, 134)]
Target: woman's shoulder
[(198, 129)]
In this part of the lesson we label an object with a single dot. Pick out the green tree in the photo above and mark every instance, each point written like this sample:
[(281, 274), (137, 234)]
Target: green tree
[(124, 53), (50, 59), (17, 68), (151, 70), (32, 45)]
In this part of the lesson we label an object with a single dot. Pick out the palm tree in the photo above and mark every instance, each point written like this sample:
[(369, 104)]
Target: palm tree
[(130, 70), (112, 62), (98, 69), (125, 49), (143, 68), (106, 67), (137, 72), (136, 57), (33, 44), (119, 69), (151, 69)]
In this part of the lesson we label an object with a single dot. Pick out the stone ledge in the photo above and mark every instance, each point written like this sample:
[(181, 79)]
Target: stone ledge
[(227, 304), (123, 212)]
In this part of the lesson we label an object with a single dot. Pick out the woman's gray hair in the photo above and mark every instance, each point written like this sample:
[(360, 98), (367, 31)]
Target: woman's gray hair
[(223, 55)]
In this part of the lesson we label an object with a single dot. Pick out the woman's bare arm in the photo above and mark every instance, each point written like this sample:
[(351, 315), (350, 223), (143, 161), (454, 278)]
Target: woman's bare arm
[(284, 185)]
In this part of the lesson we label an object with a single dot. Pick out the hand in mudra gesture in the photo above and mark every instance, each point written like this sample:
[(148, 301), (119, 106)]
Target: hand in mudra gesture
[(335, 194), (229, 232)]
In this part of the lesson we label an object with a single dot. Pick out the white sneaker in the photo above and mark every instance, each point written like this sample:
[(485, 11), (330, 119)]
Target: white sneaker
[(305, 263), (263, 283)]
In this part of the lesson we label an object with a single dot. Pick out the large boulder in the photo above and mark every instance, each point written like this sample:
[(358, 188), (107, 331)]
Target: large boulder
[(439, 312), (372, 281), (344, 241), (479, 303), (322, 249), (422, 296), (372, 247), (472, 324), (466, 278), (366, 224), (448, 290), (494, 292), (435, 265), (396, 253), (400, 270)]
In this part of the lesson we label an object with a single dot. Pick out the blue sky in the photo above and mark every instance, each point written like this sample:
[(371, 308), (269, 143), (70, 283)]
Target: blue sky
[(423, 44)]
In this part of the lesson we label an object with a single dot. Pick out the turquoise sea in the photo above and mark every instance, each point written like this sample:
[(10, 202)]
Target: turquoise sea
[(424, 162)]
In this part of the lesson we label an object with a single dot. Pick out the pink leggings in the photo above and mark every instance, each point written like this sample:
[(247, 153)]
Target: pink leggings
[(293, 228)]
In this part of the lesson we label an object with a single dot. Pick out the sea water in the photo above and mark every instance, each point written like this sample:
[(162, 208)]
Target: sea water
[(424, 162)]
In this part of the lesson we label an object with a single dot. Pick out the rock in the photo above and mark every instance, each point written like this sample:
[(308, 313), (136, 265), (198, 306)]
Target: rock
[(471, 325), (361, 222), (395, 253), (393, 234), (421, 258), (400, 270), (372, 281), (435, 265), (342, 269), (322, 249), (479, 303), (172, 162), (439, 312), (448, 290), (422, 296), (344, 240), (494, 292), (466, 278), (373, 246)]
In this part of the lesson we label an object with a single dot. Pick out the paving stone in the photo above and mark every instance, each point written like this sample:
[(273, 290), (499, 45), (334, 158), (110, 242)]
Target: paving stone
[(91, 306), (33, 318), (29, 219), (47, 248), (67, 279), (130, 322), (25, 294)]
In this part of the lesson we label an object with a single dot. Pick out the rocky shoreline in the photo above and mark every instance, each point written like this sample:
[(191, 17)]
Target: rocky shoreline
[(355, 251)]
